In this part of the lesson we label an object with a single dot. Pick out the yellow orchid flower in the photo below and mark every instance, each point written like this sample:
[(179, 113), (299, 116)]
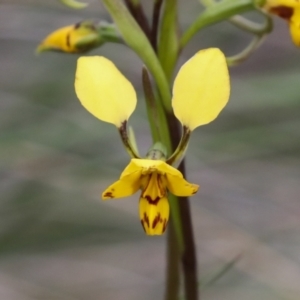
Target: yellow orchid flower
[(154, 178), (290, 11), (200, 92)]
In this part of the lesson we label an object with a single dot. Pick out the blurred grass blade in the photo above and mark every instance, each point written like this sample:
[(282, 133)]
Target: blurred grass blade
[(74, 4), (220, 273)]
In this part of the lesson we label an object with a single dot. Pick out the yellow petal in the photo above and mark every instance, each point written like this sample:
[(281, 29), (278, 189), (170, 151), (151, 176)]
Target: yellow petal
[(133, 166), (126, 186), (201, 88), (153, 187), (154, 215), (178, 186), (295, 27), (148, 166), (103, 90), (58, 40)]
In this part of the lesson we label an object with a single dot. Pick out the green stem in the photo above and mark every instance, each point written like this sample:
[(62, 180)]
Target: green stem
[(243, 55), (181, 148), (252, 27), (151, 105), (173, 258), (126, 142), (188, 253)]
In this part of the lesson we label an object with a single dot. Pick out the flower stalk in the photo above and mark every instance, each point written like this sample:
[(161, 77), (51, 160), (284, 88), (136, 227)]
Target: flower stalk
[(220, 11), (126, 140)]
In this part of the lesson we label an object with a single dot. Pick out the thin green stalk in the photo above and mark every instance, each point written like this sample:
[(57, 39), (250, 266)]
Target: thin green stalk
[(181, 148), (252, 27), (216, 13), (151, 105), (243, 55), (188, 255), (126, 141)]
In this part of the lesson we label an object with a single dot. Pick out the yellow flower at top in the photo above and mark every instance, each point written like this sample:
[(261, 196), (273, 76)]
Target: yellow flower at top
[(201, 90), (290, 11)]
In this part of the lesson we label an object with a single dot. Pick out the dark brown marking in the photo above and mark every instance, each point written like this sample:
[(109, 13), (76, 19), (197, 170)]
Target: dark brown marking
[(156, 220), (108, 194), (283, 12), (153, 202), (77, 25), (146, 220), (68, 40)]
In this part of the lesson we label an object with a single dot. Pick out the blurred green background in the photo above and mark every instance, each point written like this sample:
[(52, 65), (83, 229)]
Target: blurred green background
[(59, 241)]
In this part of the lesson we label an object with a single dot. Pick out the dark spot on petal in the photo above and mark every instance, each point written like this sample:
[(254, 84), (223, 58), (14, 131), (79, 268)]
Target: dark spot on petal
[(146, 220), (156, 220), (153, 202), (108, 195), (283, 12), (68, 40), (77, 25)]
